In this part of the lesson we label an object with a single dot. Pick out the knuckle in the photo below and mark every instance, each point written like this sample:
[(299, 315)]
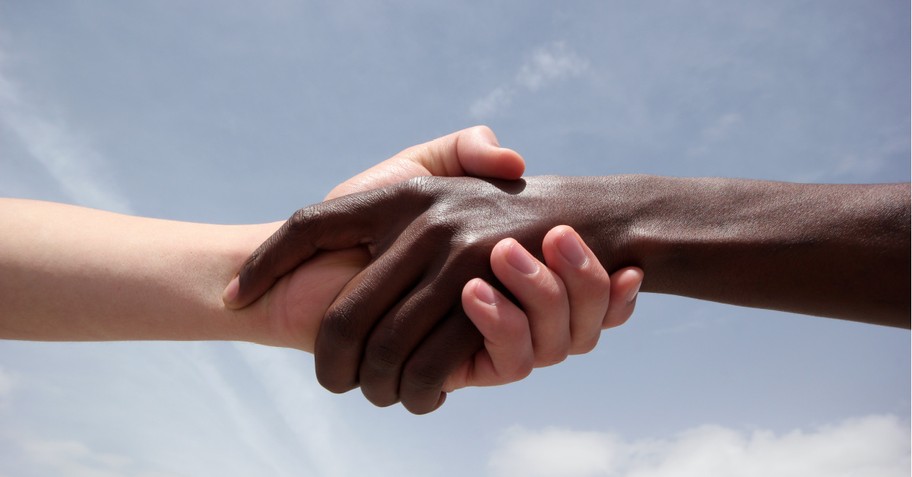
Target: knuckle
[(482, 128), (467, 255), (466, 249), (335, 386), (598, 278), (383, 357), (523, 369), (593, 286), (338, 324), (377, 398), (302, 219), (299, 228), (549, 294), (423, 376), (329, 378), (418, 187), (614, 320), (417, 408), (440, 227), (550, 357), (585, 345)]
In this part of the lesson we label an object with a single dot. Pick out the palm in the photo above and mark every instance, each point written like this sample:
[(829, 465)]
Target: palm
[(296, 303)]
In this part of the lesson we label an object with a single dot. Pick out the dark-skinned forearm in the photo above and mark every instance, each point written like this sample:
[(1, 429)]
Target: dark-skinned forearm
[(832, 250)]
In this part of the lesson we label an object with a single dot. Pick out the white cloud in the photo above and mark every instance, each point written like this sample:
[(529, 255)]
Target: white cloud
[(67, 157), (494, 101), (874, 446), (75, 459), (547, 65), (555, 452), (543, 67)]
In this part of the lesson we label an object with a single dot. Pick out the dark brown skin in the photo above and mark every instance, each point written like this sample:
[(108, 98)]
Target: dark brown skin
[(397, 329)]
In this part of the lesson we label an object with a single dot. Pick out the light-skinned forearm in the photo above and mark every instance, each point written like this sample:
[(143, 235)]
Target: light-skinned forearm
[(72, 273)]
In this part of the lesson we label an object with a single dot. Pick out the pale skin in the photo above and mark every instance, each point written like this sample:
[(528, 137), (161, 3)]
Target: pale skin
[(74, 274)]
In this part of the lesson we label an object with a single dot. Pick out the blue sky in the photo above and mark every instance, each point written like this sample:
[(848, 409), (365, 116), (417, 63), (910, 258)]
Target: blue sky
[(235, 112)]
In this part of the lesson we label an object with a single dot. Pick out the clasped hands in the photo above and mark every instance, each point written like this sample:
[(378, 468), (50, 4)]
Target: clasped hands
[(430, 284)]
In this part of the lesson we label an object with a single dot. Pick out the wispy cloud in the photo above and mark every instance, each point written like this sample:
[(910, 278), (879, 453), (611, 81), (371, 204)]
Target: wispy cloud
[(716, 132), (310, 425), (251, 424), (543, 67), (228, 409), (35, 455), (867, 162), (66, 156), (72, 458), (305, 411), (871, 446)]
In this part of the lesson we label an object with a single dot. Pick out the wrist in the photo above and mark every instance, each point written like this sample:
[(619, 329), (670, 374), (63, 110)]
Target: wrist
[(251, 323), (615, 215)]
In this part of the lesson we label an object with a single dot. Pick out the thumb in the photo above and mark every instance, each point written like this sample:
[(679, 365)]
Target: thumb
[(474, 151)]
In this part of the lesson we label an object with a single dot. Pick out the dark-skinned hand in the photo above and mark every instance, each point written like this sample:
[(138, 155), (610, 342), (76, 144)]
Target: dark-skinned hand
[(397, 329)]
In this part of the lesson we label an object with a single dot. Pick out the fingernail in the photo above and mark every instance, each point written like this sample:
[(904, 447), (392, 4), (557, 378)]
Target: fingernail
[(520, 259), (485, 293), (231, 291), (634, 293), (570, 247)]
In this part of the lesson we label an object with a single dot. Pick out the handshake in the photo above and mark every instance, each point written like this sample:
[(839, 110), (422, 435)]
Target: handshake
[(425, 281), (410, 284)]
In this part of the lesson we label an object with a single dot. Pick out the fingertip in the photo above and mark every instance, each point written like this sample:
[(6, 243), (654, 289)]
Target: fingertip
[(495, 317), (230, 295), (510, 164), (568, 255), (563, 249), (629, 280), (499, 256), (625, 287), (570, 246), (484, 292), (480, 154)]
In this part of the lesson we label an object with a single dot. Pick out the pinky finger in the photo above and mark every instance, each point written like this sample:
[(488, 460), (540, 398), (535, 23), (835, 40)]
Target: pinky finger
[(625, 286), (507, 355)]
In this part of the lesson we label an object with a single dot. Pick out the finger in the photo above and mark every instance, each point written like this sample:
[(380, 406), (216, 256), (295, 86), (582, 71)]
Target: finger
[(360, 305), (473, 151), (341, 223), (450, 344), (396, 336), (541, 294), (625, 286), (588, 285), (507, 355), (400, 332)]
